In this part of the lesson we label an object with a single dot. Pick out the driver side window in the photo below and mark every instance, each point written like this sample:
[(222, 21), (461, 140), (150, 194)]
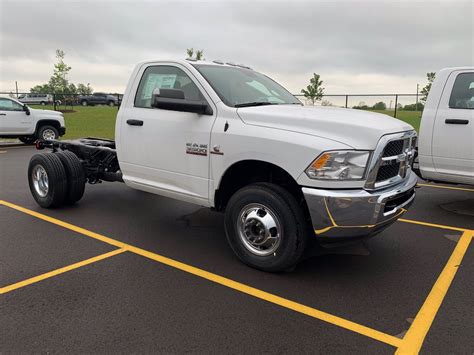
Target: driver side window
[(462, 95), (165, 77), (9, 105)]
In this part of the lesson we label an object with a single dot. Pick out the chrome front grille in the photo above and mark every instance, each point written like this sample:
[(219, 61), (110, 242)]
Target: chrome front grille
[(393, 148), (391, 160), (388, 171)]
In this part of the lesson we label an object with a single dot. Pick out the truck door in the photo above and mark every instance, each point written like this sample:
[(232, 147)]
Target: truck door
[(453, 136), (169, 152), (13, 119)]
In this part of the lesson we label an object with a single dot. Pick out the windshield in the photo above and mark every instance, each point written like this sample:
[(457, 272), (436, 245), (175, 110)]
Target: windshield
[(240, 87)]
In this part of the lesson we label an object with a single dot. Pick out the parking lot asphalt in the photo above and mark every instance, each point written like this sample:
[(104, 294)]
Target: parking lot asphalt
[(127, 271)]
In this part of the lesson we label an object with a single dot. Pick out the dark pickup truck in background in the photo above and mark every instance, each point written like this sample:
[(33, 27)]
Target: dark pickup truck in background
[(99, 98)]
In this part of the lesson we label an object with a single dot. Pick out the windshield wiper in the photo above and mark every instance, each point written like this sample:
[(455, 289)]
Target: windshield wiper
[(256, 103)]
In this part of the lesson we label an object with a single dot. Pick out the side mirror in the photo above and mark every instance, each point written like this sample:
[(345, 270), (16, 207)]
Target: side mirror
[(27, 110), (174, 100)]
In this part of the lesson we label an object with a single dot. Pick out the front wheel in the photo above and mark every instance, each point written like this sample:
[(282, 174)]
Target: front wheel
[(48, 133), (265, 227), (111, 103), (84, 103)]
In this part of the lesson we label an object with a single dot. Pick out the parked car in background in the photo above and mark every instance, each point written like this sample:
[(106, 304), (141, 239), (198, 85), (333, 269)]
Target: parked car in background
[(446, 142), (99, 98), (36, 99), (17, 120)]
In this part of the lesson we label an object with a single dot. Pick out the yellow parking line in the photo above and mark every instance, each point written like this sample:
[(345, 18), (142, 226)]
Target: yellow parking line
[(415, 336), (59, 271), (65, 225), (447, 187), (434, 225), (266, 296)]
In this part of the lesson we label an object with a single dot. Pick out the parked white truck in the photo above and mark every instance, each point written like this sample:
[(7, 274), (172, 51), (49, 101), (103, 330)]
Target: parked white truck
[(17, 120), (446, 142), (227, 137)]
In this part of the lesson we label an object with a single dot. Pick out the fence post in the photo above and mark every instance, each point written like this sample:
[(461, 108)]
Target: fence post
[(396, 103), (347, 97)]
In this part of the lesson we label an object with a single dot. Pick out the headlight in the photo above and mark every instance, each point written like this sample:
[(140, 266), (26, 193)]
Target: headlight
[(339, 165)]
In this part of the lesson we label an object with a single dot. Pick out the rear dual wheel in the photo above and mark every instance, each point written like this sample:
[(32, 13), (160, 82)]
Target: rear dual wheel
[(56, 179)]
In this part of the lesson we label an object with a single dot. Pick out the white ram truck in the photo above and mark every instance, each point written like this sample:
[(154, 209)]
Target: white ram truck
[(224, 136), (446, 142), (17, 120)]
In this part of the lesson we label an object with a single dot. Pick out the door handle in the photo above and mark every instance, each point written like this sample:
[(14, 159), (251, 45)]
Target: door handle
[(135, 122), (3, 114), (456, 121)]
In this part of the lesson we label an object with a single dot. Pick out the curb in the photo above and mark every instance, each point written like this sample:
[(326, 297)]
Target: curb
[(10, 145)]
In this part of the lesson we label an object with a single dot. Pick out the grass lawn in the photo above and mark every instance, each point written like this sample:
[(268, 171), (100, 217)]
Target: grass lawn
[(99, 121), (410, 117), (90, 121)]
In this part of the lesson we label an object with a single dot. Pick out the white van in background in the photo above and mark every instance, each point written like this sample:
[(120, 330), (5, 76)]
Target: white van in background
[(38, 99), (446, 140)]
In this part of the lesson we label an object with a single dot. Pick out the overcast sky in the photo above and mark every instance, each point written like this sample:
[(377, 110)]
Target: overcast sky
[(356, 46)]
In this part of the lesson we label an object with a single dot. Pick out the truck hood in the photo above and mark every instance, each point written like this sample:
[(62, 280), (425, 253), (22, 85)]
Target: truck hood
[(49, 113), (356, 128)]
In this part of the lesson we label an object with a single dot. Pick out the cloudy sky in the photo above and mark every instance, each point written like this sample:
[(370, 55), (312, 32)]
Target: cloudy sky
[(356, 46)]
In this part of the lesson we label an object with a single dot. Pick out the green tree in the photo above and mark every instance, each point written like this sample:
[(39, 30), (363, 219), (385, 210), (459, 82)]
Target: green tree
[(41, 89), (314, 91), (199, 54), (425, 91), (59, 82), (84, 90), (414, 107), (380, 106)]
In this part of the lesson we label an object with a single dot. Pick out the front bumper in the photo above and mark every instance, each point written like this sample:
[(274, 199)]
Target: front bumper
[(352, 214)]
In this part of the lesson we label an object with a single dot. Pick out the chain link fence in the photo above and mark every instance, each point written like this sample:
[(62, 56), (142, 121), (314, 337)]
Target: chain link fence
[(66, 102), (393, 103), (371, 102)]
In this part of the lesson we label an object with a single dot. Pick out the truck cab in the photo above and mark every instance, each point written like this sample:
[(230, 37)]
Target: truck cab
[(446, 141)]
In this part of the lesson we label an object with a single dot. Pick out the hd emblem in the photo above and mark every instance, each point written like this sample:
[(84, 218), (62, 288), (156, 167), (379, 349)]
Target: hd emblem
[(196, 149)]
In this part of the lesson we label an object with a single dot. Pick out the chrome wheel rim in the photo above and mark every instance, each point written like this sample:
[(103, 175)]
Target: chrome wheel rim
[(40, 180), (49, 134), (259, 229)]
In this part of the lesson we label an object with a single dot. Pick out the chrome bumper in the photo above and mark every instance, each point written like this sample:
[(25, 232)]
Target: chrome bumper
[(358, 213)]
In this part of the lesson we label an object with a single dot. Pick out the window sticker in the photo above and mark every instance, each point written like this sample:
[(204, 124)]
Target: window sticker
[(160, 81)]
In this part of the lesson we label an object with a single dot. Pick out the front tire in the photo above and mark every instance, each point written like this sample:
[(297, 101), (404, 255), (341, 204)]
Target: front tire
[(47, 180), (84, 103), (48, 133), (265, 227), (111, 103)]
